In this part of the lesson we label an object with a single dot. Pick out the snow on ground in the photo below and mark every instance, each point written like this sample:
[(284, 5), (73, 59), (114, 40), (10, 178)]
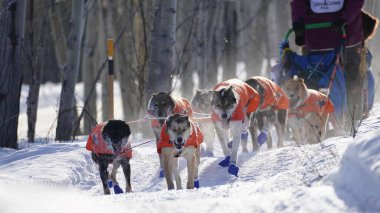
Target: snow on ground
[(338, 175)]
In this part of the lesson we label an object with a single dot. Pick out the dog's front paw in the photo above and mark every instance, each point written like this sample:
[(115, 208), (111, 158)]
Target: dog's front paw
[(225, 162), (117, 189), (196, 183), (233, 169)]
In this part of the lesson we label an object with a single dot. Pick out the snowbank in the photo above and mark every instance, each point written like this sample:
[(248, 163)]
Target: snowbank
[(357, 182)]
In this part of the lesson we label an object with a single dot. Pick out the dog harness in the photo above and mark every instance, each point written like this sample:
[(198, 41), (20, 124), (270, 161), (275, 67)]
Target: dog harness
[(248, 100), (274, 96), (97, 144), (181, 106), (316, 102), (195, 139)]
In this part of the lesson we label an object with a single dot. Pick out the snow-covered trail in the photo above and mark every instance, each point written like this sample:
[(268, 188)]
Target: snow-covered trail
[(61, 177)]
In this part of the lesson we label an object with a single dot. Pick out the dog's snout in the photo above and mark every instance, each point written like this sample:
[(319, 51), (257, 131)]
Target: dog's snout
[(180, 140), (224, 116)]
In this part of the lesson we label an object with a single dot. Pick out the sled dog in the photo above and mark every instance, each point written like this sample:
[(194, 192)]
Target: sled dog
[(162, 105), (201, 103), (232, 103), (108, 143), (308, 112), (272, 111), (180, 138)]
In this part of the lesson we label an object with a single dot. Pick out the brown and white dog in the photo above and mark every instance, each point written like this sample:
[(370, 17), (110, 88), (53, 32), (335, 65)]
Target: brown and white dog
[(180, 138), (162, 105), (232, 103), (108, 143), (272, 111), (309, 112)]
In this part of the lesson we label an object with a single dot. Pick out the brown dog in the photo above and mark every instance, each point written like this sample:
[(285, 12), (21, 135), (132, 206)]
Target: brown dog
[(180, 138), (309, 112)]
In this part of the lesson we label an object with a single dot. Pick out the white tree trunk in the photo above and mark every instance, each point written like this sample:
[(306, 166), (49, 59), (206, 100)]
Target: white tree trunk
[(65, 122)]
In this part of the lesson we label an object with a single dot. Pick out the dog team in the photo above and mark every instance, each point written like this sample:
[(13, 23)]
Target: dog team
[(237, 108)]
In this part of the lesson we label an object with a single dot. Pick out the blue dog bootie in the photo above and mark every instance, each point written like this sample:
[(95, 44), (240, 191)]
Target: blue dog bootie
[(162, 173), (225, 162), (110, 183), (243, 137), (262, 138), (196, 183), (233, 169), (117, 189)]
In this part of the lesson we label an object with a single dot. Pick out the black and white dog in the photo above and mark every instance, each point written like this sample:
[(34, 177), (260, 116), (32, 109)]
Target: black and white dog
[(108, 143)]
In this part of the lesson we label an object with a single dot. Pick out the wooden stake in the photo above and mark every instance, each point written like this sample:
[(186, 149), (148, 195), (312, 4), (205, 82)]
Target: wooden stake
[(110, 79)]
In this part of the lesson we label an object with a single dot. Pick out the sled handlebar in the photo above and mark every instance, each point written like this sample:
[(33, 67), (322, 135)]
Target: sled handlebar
[(315, 26)]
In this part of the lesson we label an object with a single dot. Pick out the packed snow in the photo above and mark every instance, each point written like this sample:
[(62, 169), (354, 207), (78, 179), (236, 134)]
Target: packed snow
[(341, 174)]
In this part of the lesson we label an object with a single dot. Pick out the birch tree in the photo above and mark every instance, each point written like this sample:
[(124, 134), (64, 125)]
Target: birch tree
[(12, 21), (162, 47), (65, 122)]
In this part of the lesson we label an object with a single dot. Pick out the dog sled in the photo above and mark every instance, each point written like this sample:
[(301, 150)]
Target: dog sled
[(323, 70)]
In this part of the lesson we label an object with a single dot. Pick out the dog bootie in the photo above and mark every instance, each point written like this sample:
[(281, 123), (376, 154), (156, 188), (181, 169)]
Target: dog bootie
[(117, 189), (225, 162), (162, 174), (262, 138), (233, 169), (109, 183), (196, 183), (243, 137)]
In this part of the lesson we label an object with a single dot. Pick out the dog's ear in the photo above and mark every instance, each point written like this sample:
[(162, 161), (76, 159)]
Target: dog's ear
[(230, 88), (169, 93), (169, 120), (198, 92), (214, 96)]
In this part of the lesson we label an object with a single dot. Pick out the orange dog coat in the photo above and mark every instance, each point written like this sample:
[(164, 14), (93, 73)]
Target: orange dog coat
[(248, 99), (316, 102), (195, 139), (98, 145), (274, 95)]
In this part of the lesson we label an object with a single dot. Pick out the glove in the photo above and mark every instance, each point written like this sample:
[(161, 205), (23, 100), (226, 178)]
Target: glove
[(262, 138), (299, 27), (337, 25)]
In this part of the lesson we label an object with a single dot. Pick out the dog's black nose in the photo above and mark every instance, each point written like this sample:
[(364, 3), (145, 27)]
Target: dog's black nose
[(224, 116), (179, 140)]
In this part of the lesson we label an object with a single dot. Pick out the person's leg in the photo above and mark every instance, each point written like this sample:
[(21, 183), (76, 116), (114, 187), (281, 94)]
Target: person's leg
[(354, 84)]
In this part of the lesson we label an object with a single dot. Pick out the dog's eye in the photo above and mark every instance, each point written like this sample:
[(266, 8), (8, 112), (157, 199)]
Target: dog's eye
[(228, 105)]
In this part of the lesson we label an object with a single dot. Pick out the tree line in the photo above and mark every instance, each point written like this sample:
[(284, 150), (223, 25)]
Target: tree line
[(159, 45)]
